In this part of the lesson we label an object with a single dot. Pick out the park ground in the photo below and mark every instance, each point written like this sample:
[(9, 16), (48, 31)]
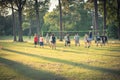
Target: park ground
[(22, 61)]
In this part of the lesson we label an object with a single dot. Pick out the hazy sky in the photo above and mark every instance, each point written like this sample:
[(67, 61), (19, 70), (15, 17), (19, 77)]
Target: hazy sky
[(53, 3)]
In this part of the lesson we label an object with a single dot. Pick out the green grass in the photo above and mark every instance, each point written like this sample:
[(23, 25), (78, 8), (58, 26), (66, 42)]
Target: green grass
[(21, 61)]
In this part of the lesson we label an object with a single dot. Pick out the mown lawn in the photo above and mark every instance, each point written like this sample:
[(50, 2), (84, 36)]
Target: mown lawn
[(22, 61)]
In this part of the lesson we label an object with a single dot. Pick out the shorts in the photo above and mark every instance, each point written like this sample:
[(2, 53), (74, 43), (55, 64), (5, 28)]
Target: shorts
[(68, 42), (35, 43), (89, 39), (53, 42), (41, 43), (76, 41)]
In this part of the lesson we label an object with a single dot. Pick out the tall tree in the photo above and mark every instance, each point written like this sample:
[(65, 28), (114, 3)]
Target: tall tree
[(10, 4), (13, 21), (105, 14), (60, 9), (96, 15), (20, 5), (30, 15), (37, 16), (118, 17)]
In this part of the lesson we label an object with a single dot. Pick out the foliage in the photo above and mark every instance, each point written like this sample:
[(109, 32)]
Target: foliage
[(112, 29), (77, 15), (5, 25), (26, 25), (30, 14)]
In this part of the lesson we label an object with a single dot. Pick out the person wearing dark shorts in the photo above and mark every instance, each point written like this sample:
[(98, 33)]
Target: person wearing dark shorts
[(67, 40), (98, 39), (41, 41), (53, 41), (35, 40)]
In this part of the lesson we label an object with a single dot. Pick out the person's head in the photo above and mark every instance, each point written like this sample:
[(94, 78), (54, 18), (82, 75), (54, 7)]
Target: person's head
[(53, 35), (68, 34), (40, 35), (77, 34), (86, 35), (35, 34)]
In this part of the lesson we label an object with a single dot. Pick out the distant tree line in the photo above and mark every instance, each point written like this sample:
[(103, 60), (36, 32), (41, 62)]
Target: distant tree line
[(32, 16)]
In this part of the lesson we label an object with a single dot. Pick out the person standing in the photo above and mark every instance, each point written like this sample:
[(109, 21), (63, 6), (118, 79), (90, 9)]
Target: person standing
[(90, 37), (53, 42), (47, 38), (86, 40), (35, 39), (41, 41), (67, 40), (77, 38), (98, 40), (50, 40)]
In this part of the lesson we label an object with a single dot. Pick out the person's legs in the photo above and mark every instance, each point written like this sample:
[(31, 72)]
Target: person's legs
[(54, 45), (89, 43), (35, 43), (42, 45), (69, 43), (65, 43), (85, 44), (75, 43)]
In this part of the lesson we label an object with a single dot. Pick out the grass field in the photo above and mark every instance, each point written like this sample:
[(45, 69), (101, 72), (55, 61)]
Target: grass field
[(22, 61)]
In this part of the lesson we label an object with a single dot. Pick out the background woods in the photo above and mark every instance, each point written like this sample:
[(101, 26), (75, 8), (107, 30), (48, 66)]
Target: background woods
[(26, 17)]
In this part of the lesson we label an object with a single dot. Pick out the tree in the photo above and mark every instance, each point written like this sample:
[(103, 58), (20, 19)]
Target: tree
[(60, 9), (6, 3), (29, 15), (96, 15), (13, 21), (34, 15), (20, 5), (118, 17), (74, 17), (105, 14), (37, 16)]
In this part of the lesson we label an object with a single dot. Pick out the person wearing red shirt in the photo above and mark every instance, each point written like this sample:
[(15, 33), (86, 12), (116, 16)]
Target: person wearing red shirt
[(35, 39)]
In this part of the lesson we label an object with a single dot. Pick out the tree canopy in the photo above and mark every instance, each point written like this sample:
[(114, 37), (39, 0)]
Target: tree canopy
[(33, 16)]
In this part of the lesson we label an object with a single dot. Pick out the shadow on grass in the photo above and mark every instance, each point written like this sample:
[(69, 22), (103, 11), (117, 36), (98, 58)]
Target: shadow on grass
[(114, 49), (82, 52), (30, 72), (80, 65), (71, 51), (111, 50)]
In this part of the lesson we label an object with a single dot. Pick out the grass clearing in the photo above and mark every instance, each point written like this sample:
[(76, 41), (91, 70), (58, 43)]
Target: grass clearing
[(21, 61)]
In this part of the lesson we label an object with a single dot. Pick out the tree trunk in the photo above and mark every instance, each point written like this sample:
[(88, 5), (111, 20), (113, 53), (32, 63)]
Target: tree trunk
[(96, 16), (37, 17), (13, 23), (30, 29), (118, 17), (104, 26), (20, 33), (60, 9), (93, 22)]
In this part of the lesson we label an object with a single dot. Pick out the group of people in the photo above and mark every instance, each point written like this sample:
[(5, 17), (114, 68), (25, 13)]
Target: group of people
[(76, 39), (51, 40), (101, 39)]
